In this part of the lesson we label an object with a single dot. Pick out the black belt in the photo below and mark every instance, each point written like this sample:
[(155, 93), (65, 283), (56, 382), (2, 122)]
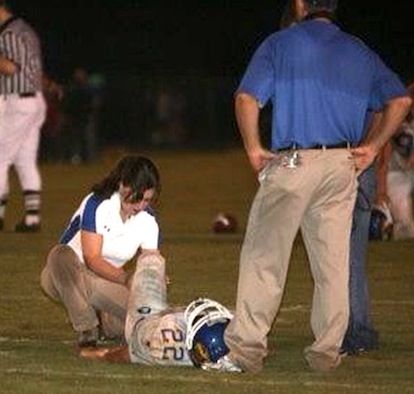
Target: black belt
[(342, 145), (27, 94)]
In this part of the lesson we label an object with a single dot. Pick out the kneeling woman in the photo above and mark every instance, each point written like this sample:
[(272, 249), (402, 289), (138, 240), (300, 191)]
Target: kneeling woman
[(113, 223)]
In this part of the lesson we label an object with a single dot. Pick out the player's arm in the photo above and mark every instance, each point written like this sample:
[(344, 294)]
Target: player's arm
[(119, 354), (92, 253)]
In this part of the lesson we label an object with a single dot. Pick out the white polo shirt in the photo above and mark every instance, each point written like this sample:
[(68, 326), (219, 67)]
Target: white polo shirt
[(121, 239)]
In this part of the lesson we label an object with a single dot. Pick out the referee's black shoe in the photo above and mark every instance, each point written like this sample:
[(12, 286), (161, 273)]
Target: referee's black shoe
[(22, 227)]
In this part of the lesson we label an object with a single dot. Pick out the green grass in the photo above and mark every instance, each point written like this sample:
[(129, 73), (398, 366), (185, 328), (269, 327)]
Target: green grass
[(38, 351)]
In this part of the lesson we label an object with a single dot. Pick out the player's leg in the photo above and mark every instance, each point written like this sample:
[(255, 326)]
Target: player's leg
[(148, 292), (410, 217), (34, 112), (399, 192)]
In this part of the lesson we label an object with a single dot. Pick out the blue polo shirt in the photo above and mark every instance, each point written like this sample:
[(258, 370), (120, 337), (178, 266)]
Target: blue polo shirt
[(322, 83)]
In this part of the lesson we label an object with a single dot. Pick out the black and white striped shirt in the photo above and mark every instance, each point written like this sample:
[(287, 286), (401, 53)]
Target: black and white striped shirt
[(20, 44)]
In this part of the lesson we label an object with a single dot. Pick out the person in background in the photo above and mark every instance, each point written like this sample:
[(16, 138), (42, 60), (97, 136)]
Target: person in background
[(77, 110), (113, 225), (392, 216), (22, 113), (322, 83), (400, 180), (361, 336), (51, 140)]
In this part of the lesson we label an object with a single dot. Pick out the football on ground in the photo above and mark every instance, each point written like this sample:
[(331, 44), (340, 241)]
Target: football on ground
[(224, 223)]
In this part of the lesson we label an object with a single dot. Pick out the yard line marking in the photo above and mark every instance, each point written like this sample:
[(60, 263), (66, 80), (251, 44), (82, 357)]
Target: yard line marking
[(211, 236), (196, 379), (394, 302), (288, 308)]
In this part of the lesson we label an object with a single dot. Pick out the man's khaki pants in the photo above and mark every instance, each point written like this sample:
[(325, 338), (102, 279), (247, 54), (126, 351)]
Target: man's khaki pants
[(318, 198)]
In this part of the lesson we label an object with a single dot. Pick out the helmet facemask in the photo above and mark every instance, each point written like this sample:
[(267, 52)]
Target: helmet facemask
[(206, 321)]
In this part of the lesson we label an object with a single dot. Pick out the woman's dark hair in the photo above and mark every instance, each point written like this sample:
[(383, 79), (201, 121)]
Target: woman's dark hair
[(137, 172)]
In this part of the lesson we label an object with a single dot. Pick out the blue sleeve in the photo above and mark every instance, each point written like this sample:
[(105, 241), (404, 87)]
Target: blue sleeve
[(85, 220), (70, 230), (88, 222), (387, 85), (258, 77)]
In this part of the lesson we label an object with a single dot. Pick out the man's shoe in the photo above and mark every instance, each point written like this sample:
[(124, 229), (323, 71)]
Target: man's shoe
[(321, 362), (355, 351), (1, 224), (360, 340), (22, 227), (343, 352), (88, 338), (223, 364)]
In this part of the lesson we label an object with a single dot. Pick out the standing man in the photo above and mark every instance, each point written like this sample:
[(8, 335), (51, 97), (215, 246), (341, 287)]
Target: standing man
[(322, 83), (361, 335), (22, 113), (77, 106)]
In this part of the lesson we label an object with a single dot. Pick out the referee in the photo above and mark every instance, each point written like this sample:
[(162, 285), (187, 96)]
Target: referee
[(22, 113)]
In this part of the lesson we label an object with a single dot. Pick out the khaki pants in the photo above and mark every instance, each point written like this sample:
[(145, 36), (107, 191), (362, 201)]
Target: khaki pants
[(66, 279), (318, 198)]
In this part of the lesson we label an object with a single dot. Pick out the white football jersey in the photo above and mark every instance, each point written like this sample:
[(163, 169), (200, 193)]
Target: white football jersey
[(160, 340)]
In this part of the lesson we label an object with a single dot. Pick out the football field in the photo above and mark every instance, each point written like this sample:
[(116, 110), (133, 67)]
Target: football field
[(38, 349)]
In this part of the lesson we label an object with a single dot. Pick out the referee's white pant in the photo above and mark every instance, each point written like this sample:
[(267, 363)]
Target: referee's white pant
[(21, 119)]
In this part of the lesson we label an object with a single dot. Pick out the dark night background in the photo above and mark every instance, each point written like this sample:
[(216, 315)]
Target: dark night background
[(194, 50), (205, 36)]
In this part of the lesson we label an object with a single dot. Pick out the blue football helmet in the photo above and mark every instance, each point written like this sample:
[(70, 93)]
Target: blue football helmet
[(206, 321)]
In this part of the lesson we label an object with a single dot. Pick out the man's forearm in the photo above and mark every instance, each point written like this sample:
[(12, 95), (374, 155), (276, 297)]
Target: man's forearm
[(386, 124), (247, 116)]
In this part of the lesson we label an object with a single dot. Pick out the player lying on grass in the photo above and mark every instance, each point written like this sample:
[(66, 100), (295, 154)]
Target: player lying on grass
[(157, 334)]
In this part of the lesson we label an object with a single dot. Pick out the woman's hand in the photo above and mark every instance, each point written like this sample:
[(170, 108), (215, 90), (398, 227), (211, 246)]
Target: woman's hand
[(92, 254)]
